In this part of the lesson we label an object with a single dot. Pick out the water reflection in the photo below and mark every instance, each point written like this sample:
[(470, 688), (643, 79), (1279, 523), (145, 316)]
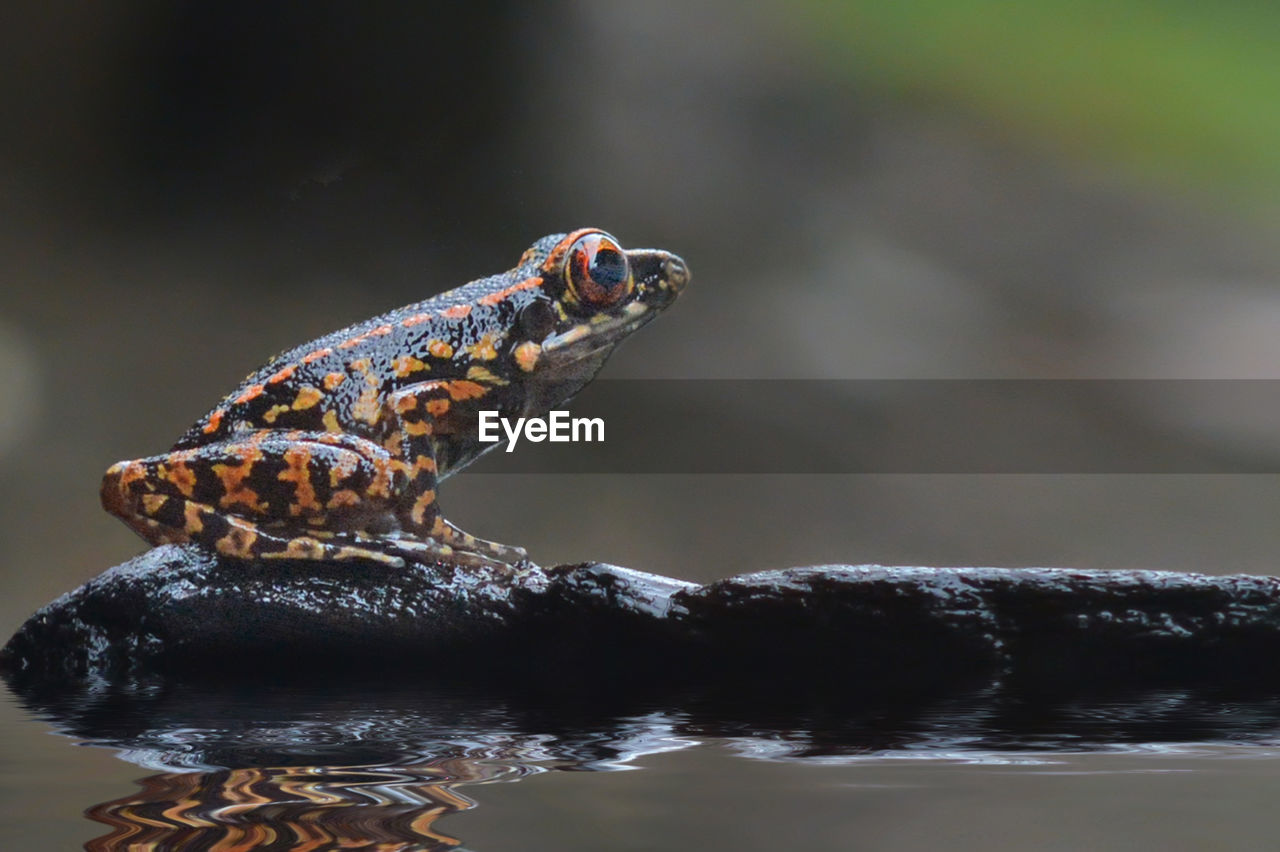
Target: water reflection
[(301, 807), (279, 766)]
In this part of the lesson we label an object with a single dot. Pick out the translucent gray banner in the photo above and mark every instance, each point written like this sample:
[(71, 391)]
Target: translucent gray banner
[(916, 426)]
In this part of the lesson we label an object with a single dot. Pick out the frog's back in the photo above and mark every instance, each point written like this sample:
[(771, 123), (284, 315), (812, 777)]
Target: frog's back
[(338, 382)]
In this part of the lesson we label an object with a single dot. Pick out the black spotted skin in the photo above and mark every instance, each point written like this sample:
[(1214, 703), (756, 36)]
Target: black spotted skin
[(335, 449)]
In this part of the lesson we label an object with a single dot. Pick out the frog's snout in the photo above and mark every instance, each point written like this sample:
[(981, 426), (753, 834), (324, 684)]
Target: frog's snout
[(660, 275), (676, 272)]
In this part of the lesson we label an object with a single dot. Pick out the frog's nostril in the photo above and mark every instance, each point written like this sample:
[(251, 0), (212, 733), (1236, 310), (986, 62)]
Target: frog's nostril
[(676, 272)]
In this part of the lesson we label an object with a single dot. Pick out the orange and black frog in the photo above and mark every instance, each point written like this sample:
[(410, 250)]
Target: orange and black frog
[(334, 450)]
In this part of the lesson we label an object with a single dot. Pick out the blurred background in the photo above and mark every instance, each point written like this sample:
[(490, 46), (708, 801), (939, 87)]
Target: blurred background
[(961, 189)]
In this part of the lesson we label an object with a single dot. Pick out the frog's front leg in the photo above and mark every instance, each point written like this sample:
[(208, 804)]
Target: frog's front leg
[(415, 415), (270, 494)]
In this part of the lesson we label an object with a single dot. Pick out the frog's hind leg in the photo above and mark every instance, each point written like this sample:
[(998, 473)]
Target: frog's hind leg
[(284, 495), (241, 538)]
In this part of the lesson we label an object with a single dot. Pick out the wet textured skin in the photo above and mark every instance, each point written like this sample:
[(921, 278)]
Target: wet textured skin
[(334, 450)]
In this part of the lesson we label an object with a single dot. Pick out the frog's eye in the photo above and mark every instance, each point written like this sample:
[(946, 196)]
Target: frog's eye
[(536, 320), (597, 271)]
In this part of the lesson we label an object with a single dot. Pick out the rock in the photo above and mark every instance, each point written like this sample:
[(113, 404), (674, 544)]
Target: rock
[(177, 612)]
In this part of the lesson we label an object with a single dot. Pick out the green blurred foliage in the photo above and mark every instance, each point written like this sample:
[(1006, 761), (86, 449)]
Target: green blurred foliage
[(1180, 91)]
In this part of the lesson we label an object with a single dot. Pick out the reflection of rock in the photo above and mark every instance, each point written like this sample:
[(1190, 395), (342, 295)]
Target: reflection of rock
[(429, 731), (361, 760), (176, 613)]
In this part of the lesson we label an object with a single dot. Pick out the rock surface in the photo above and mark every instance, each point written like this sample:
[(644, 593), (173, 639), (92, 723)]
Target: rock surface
[(177, 613)]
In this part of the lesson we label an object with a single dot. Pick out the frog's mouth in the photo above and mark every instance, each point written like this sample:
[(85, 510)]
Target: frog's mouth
[(660, 276), (601, 332)]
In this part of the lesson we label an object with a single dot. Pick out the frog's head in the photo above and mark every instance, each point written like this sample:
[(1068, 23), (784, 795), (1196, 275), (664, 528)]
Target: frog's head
[(593, 294)]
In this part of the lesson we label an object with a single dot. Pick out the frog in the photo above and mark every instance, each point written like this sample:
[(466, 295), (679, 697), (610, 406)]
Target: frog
[(334, 450)]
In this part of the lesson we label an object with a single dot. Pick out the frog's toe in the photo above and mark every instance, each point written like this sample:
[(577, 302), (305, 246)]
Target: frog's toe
[(488, 553), (428, 550), (461, 540), (509, 553)]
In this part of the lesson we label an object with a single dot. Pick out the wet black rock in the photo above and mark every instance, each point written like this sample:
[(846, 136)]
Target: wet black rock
[(177, 613)]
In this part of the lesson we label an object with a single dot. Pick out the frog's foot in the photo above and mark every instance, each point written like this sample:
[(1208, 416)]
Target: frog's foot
[(447, 533), (447, 543), (428, 550)]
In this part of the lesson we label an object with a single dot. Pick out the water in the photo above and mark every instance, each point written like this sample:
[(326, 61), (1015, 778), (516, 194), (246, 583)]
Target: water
[(435, 767)]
